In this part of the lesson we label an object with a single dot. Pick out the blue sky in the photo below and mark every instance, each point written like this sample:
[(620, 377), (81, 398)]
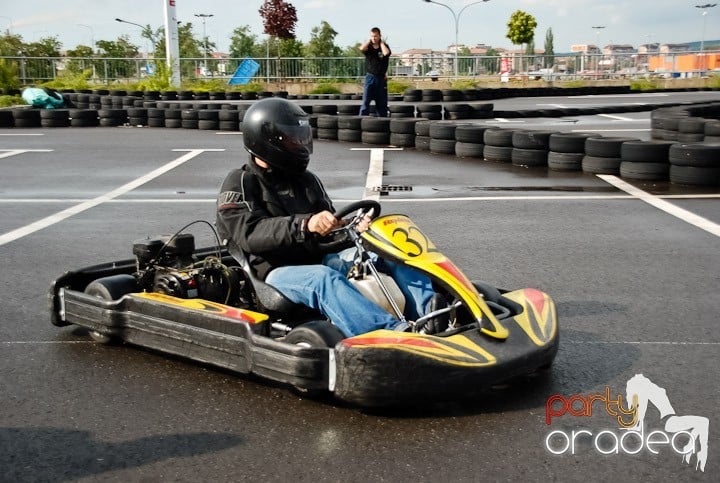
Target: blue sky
[(406, 23)]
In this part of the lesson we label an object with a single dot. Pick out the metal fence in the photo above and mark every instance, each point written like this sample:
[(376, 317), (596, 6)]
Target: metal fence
[(107, 70)]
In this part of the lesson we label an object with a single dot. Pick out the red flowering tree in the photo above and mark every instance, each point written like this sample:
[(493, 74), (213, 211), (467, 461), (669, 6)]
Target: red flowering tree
[(279, 19)]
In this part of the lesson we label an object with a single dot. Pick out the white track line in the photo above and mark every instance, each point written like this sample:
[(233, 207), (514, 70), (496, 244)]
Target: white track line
[(86, 205), (669, 208), (13, 152), (619, 118), (375, 170)]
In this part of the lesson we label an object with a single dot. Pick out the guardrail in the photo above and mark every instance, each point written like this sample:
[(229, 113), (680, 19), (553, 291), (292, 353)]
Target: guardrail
[(107, 70)]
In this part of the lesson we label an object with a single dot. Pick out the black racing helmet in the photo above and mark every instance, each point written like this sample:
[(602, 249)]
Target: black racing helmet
[(278, 132)]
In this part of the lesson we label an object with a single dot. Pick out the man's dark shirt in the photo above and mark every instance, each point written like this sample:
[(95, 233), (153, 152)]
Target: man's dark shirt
[(375, 62)]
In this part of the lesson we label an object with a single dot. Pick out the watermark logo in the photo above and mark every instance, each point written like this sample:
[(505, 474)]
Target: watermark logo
[(686, 436)]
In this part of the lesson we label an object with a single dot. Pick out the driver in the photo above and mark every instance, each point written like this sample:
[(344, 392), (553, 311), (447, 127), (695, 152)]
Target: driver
[(278, 213)]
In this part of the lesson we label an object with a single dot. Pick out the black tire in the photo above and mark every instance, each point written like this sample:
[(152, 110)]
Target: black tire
[(228, 115), (442, 146), (375, 124), (569, 142), (529, 157), (371, 137), (137, 121), (565, 161), (694, 175), (189, 123), (6, 119), (327, 133), (349, 135), (173, 114), (469, 133), (698, 155), (173, 123), (692, 125), (110, 288), (469, 150), (603, 147), (712, 128), (598, 165), (405, 109), (645, 151), (425, 108), (498, 137), (690, 137), (350, 122), (208, 125), (422, 128), (316, 333), (443, 130), (325, 109), (422, 143), (644, 170), (228, 125), (403, 125), (402, 140), (502, 154), (189, 115), (155, 122), (327, 122), (531, 139), (208, 115)]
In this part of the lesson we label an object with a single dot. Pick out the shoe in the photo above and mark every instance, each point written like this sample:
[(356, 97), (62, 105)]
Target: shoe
[(439, 323)]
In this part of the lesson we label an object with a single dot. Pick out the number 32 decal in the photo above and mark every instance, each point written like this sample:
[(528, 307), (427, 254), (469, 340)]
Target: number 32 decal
[(414, 243)]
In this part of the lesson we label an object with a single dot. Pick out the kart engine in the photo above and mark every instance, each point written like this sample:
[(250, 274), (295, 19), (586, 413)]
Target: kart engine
[(165, 264)]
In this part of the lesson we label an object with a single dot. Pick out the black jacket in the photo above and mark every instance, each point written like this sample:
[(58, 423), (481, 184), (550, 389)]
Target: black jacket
[(263, 213)]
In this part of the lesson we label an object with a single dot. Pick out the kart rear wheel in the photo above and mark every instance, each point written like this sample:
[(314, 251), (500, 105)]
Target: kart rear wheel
[(110, 288), (317, 333)]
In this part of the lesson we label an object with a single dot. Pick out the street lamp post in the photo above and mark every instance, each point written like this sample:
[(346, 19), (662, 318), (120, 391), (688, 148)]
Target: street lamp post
[(92, 44), (597, 29), (204, 17), (456, 18), (10, 22), (92, 34), (704, 8), (146, 31)]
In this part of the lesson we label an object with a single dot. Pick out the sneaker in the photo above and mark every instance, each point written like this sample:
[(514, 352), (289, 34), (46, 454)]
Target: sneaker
[(439, 323)]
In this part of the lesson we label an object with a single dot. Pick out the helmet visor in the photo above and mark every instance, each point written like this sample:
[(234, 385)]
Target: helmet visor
[(293, 138)]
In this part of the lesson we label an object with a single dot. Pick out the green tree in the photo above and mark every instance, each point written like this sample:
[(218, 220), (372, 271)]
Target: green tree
[(521, 28), (243, 43), (45, 47), (79, 59), (549, 48), (189, 48), (322, 42), (118, 50), (10, 46)]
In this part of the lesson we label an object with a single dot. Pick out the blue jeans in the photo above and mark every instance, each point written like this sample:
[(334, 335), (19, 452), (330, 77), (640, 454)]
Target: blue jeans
[(375, 88), (326, 289)]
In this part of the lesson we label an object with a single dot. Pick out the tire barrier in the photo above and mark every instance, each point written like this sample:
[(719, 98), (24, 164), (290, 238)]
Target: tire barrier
[(684, 147)]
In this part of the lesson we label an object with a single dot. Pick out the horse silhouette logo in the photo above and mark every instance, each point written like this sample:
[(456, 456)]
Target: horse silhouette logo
[(641, 391)]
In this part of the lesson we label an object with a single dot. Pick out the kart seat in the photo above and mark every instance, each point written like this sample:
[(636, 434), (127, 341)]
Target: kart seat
[(270, 298)]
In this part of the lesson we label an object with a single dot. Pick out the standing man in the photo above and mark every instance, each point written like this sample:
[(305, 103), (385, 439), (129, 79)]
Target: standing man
[(377, 56)]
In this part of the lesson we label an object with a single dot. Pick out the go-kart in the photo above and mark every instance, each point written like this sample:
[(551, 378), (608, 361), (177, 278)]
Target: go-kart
[(208, 305)]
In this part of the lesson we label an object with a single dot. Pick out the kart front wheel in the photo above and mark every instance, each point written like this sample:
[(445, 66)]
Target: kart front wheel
[(110, 288), (317, 333)]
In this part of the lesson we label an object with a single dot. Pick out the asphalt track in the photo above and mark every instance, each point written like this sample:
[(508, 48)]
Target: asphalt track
[(635, 275)]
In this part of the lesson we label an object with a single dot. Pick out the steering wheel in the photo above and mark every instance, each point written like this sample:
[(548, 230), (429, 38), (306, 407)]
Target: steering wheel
[(364, 205), (338, 238)]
